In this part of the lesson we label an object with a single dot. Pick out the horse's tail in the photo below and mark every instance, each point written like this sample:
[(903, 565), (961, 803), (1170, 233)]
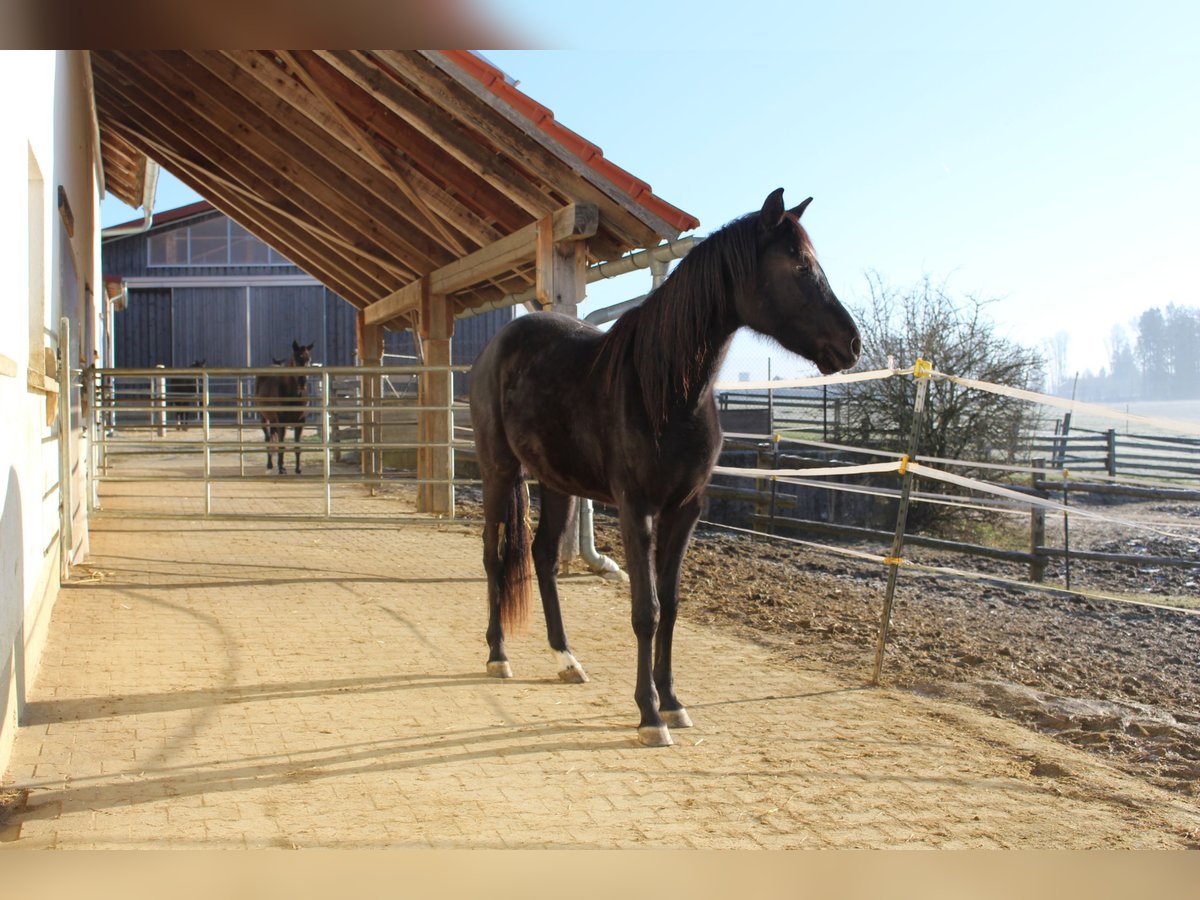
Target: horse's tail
[(516, 558)]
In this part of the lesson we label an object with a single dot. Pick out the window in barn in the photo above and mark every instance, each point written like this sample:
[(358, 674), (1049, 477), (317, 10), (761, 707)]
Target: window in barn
[(169, 248), (210, 243), (245, 249), (216, 242)]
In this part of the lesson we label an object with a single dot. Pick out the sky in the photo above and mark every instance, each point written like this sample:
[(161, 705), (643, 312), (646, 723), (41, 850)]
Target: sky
[(1042, 156)]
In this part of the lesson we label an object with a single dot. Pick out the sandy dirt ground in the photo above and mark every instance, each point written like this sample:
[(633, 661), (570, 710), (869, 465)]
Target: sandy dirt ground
[(289, 683)]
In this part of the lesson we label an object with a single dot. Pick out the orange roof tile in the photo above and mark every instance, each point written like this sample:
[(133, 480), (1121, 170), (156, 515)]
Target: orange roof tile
[(494, 80)]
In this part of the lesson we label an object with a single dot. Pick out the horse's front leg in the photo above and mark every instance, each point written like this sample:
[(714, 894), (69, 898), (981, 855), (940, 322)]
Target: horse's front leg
[(296, 438), (674, 533), (637, 527)]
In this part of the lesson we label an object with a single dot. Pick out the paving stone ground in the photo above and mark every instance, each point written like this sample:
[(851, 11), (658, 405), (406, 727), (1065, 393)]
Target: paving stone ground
[(286, 683)]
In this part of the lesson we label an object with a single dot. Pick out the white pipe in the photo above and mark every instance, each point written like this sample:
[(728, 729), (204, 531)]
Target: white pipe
[(608, 313), (595, 560), (642, 259), (149, 189)]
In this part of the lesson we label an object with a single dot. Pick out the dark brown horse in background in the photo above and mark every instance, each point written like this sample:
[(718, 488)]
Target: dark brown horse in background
[(282, 403), (627, 418)]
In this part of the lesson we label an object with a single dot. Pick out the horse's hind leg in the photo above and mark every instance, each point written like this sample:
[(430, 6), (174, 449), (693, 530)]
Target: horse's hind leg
[(674, 532), (296, 436), (267, 441), (556, 513)]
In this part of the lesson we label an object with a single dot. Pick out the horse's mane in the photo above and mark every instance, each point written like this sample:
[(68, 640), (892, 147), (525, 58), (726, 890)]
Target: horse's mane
[(664, 342)]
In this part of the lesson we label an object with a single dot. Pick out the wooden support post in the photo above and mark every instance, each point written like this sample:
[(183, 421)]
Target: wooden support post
[(561, 283), (561, 271), (435, 421), (370, 353)]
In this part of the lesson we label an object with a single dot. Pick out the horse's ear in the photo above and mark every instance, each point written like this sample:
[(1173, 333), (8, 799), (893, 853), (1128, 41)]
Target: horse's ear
[(310, 346), (772, 211), (799, 210), (295, 346)]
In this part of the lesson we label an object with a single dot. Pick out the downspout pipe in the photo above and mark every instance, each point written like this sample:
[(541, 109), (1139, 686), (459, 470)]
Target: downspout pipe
[(149, 188), (593, 558)]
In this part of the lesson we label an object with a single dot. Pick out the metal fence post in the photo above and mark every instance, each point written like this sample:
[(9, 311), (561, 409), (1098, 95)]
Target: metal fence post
[(325, 450), (207, 446), (922, 371)]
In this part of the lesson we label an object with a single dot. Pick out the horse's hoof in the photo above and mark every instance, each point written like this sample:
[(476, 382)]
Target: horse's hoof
[(573, 675), (654, 736), (499, 669), (676, 718)]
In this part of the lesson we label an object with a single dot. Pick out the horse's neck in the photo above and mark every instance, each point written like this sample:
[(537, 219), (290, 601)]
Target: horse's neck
[(698, 356)]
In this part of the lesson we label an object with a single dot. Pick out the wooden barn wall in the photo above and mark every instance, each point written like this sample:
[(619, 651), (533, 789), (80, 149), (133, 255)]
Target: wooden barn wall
[(341, 331), (209, 325), (280, 315), (142, 331), (125, 256)]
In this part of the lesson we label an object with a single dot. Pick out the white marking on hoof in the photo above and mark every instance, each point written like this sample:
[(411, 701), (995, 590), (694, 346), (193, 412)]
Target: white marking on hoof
[(570, 670), (676, 718), (654, 736), (500, 669)]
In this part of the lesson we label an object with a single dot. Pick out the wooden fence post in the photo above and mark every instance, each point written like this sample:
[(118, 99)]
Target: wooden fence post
[(435, 420), (1037, 528), (921, 371), (1112, 452)]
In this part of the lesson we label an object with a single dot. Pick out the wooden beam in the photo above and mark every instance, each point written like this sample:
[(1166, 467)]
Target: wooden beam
[(422, 154), (444, 130), (326, 262), (255, 65), (161, 124), (366, 143), (475, 105), (290, 160), (574, 222), (322, 262)]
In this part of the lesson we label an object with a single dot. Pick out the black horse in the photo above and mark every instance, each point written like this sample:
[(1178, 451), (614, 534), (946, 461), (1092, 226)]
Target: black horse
[(282, 402), (628, 418), (183, 396)]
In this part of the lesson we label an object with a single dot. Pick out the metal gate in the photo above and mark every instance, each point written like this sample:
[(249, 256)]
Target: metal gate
[(189, 442)]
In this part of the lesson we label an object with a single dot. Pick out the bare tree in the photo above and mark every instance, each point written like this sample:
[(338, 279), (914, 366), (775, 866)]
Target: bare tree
[(925, 321)]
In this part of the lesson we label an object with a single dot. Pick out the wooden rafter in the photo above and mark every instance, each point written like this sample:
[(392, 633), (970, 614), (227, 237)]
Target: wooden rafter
[(505, 131), (193, 145), (324, 263), (284, 159), (435, 124), (366, 145), (257, 66)]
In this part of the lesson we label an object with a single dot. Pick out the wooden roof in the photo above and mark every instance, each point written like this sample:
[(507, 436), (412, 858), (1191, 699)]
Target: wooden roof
[(371, 169)]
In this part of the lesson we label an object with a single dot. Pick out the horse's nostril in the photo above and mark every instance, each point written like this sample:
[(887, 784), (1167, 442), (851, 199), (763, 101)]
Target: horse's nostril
[(856, 346)]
